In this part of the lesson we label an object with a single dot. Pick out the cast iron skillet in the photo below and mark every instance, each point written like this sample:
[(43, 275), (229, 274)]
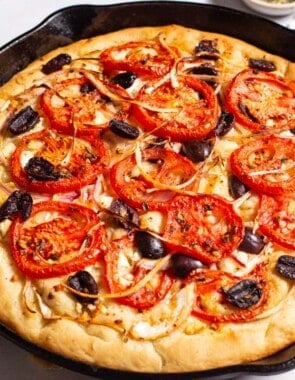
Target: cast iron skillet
[(77, 22)]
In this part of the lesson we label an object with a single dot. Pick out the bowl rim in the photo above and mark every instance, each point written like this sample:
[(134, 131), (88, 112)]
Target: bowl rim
[(272, 5)]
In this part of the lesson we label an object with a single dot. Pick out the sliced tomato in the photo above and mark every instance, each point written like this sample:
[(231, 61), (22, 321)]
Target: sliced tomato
[(191, 109), (211, 304), (261, 100), (266, 165), (57, 239), (75, 105), (203, 226), (143, 298), (144, 58), (75, 162), (276, 219), (165, 166)]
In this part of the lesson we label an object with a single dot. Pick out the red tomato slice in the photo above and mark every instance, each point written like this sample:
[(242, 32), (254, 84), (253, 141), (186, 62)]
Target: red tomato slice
[(61, 244), (142, 58), (167, 167), (211, 304), (266, 165), (143, 298), (193, 105), (78, 161), (276, 219), (261, 100), (71, 109), (203, 226)]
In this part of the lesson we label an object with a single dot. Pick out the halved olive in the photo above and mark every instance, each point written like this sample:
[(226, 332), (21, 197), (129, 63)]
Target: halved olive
[(149, 246), (83, 282), (244, 294)]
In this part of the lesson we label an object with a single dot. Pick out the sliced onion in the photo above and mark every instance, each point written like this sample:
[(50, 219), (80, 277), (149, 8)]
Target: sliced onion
[(45, 310), (179, 307), (28, 297)]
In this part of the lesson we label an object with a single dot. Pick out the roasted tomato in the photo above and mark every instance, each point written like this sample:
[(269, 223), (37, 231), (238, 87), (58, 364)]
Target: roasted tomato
[(163, 166), (261, 100), (58, 238), (276, 219), (149, 59), (191, 109), (75, 105), (222, 297), (203, 226), (124, 250), (266, 165), (58, 163)]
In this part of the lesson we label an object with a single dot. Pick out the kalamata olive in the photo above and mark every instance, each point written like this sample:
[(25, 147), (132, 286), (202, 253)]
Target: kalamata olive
[(125, 79), (23, 121), (224, 124), (83, 282), (86, 88), (245, 111), (197, 150), (244, 294), (236, 187), (149, 246), (286, 266), (128, 216), (123, 129), (18, 201), (261, 64), (56, 63), (39, 169), (182, 265), (204, 70), (207, 49), (252, 242)]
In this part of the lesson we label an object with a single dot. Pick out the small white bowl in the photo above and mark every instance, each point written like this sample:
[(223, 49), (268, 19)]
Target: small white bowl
[(271, 8)]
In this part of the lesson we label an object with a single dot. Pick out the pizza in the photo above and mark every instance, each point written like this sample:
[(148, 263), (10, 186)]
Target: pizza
[(147, 201)]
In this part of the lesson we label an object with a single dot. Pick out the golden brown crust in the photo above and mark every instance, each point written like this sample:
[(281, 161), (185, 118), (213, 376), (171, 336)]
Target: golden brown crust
[(195, 345)]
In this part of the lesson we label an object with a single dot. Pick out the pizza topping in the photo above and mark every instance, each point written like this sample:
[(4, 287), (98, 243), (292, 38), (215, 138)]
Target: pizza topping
[(40, 169), (19, 202), (149, 246), (84, 282), (252, 242), (244, 294), (207, 49), (197, 150), (56, 63), (127, 216), (123, 129), (261, 64), (23, 121), (182, 265), (224, 124), (286, 266), (124, 79), (266, 165), (204, 69), (236, 188)]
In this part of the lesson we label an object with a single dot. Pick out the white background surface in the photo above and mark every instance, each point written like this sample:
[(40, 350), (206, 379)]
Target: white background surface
[(16, 17)]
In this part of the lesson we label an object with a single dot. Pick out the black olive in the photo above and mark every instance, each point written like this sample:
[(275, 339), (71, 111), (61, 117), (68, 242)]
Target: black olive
[(236, 187), (224, 124), (87, 87), (204, 70), (246, 112), (244, 294), (252, 242), (83, 282), (23, 121), (207, 49), (128, 216), (157, 143), (56, 63), (286, 266), (149, 246), (123, 129), (261, 64), (18, 201), (39, 169), (125, 79), (182, 265), (197, 150)]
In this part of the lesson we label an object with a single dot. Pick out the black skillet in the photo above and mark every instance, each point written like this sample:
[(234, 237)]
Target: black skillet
[(83, 21)]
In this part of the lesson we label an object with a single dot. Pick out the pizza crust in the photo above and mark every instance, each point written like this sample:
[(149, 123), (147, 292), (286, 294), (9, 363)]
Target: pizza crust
[(195, 345)]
